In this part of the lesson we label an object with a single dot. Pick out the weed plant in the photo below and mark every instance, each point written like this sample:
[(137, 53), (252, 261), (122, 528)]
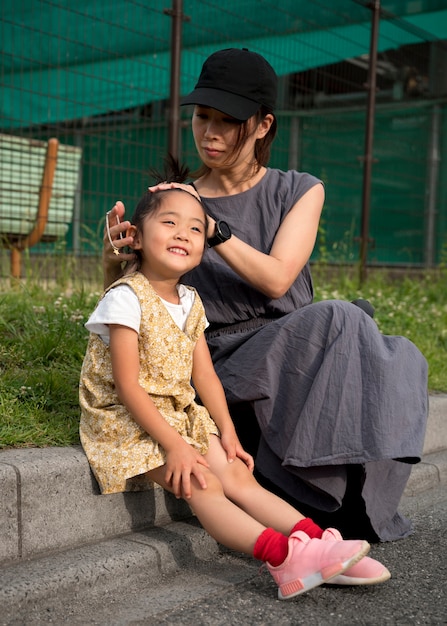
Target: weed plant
[(43, 341)]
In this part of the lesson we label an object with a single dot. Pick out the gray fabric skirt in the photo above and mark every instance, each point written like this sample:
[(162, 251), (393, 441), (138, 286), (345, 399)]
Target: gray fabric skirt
[(330, 391)]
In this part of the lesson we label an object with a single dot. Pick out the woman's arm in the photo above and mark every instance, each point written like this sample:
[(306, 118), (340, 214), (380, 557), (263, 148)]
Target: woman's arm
[(274, 273), (211, 393), (182, 460)]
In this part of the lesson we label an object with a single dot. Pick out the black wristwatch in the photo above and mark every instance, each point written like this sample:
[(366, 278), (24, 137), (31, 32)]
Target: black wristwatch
[(222, 233)]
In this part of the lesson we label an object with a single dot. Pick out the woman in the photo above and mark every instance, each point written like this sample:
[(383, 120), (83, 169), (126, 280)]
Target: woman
[(340, 410)]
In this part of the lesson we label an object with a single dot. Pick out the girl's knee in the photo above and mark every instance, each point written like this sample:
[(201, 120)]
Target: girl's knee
[(238, 479), (213, 484)]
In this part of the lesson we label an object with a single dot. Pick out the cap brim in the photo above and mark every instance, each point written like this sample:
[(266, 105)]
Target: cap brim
[(229, 103)]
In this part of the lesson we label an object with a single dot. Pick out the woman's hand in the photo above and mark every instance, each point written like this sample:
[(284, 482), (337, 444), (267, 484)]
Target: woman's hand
[(183, 186), (190, 189), (182, 462), (233, 448), (113, 255)]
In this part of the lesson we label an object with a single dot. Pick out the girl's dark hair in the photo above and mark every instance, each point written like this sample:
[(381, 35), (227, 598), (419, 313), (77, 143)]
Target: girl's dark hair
[(262, 146), (150, 202)]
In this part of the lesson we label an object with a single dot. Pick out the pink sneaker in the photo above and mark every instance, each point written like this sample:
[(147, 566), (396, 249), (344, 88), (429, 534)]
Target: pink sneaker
[(312, 562), (366, 572)]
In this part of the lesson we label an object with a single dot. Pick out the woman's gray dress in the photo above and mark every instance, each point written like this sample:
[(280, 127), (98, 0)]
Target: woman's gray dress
[(328, 389)]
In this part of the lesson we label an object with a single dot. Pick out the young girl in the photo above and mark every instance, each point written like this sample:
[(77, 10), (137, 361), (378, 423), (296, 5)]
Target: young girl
[(139, 416)]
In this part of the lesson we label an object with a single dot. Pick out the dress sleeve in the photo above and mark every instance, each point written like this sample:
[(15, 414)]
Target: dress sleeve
[(120, 305)]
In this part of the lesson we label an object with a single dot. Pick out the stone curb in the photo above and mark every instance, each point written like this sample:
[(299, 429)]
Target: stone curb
[(50, 502), (107, 567), (50, 499)]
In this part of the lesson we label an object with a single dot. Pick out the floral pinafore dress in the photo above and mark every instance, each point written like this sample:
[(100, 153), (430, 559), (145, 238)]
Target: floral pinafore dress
[(117, 448)]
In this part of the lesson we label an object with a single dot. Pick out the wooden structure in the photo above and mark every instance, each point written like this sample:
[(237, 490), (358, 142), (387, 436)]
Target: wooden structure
[(38, 183)]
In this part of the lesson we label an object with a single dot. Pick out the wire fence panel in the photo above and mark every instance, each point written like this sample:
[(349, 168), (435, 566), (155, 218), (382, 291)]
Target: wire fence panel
[(97, 77)]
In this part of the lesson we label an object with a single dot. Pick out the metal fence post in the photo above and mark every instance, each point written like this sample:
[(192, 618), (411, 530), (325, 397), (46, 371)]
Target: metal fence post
[(369, 137), (177, 16)]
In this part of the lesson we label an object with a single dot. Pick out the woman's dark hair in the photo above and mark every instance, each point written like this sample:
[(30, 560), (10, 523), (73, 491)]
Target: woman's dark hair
[(262, 146), (150, 202)]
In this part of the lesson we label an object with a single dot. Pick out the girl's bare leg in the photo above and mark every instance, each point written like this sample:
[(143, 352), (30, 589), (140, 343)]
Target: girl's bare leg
[(242, 488), (225, 521), (234, 509)]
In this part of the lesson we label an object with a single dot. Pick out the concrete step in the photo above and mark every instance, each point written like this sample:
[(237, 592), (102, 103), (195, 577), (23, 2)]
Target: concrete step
[(50, 501), (432, 471), (436, 435), (146, 560)]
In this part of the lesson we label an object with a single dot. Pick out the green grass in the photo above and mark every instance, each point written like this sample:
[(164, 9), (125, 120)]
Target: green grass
[(41, 352), (43, 340)]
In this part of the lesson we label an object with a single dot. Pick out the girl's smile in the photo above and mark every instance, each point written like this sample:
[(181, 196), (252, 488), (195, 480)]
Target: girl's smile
[(177, 250)]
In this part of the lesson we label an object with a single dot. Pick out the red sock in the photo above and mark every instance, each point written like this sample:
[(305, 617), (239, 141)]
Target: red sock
[(309, 527), (271, 546)]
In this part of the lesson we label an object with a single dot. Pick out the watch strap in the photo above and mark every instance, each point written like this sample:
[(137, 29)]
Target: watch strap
[(219, 235)]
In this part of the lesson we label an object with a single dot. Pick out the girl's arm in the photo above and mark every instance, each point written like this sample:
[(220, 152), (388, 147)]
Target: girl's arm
[(211, 393), (273, 274), (182, 460)]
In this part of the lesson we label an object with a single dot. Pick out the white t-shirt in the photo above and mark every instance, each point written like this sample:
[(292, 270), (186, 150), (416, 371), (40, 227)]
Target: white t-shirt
[(121, 306)]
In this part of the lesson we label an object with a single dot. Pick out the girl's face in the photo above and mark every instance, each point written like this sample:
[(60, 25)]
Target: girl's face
[(216, 135), (172, 239)]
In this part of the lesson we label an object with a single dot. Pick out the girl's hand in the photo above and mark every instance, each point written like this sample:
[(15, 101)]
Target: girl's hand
[(182, 462), (233, 448)]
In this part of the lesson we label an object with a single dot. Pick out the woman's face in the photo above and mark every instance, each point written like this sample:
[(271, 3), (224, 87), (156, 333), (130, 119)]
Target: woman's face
[(216, 136)]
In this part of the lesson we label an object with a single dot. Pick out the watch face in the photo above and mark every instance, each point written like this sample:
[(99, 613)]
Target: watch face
[(224, 229)]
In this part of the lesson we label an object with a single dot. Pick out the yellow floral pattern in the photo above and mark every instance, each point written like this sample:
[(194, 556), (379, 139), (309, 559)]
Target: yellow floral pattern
[(119, 451)]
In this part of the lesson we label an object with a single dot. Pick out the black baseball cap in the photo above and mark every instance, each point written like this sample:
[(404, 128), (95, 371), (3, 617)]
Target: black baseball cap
[(237, 82)]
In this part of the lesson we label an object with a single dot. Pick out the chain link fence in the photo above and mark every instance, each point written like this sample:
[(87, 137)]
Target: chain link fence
[(97, 76)]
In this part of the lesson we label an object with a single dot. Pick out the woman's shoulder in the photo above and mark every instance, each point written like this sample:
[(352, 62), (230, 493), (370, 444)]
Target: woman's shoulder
[(289, 178), (285, 188)]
